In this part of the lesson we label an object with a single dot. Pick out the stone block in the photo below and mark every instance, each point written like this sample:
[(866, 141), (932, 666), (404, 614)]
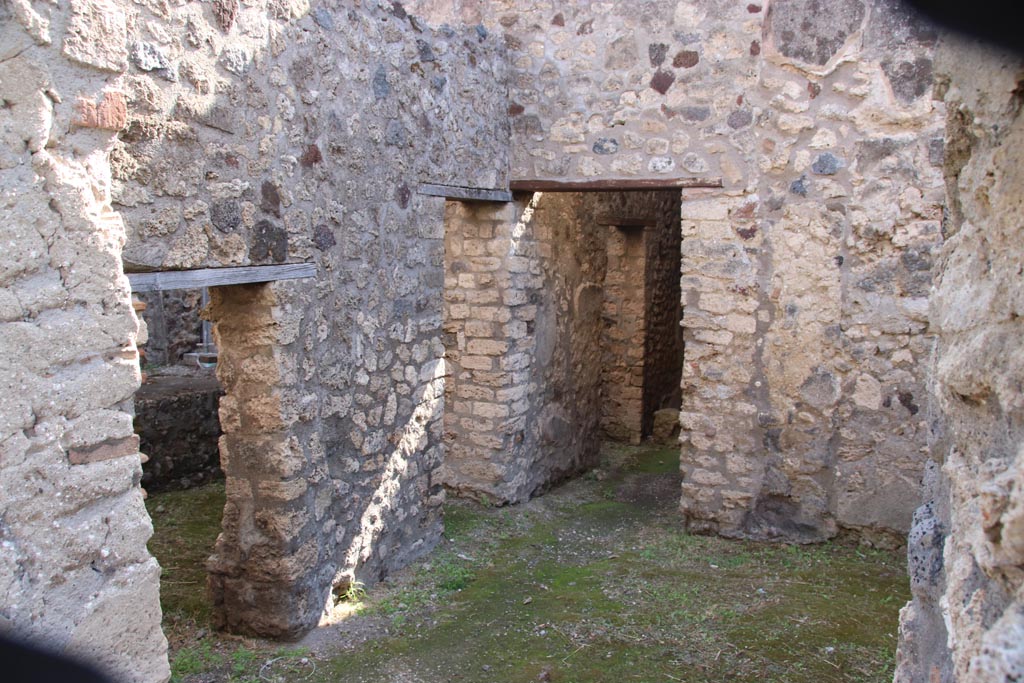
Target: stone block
[(107, 450), (477, 362), (111, 113), (97, 35), (486, 347), (666, 425)]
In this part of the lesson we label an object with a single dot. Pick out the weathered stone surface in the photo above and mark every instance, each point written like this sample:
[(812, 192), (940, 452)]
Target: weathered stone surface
[(111, 113), (606, 146), (74, 570), (686, 59), (270, 243), (235, 162), (226, 215), (97, 35), (666, 426), (801, 30), (574, 334), (804, 405), (106, 450), (661, 81), (909, 79), (966, 621), (178, 427), (827, 164), (740, 119)]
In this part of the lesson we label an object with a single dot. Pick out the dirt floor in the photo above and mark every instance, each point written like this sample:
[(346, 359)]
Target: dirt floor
[(594, 581)]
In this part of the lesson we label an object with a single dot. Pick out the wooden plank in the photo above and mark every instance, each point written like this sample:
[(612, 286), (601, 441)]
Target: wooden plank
[(627, 221), (474, 194), (164, 280), (612, 184)]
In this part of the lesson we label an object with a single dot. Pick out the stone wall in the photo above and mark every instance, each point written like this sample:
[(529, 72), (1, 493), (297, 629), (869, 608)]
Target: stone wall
[(561, 428), (622, 343), (247, 134), (177, 422), (523, 325), (238, 115), (806, 276), (75, 574), (966, 550), (663, 342), (173, 324), (276, 132), (548, 310)]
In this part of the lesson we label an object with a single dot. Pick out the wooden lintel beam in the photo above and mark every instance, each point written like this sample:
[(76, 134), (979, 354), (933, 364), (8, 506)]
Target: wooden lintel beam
[(474, 194), (612, 184), (164, 280)]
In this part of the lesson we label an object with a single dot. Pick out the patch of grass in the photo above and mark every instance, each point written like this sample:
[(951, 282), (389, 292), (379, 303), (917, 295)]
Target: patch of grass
[(595, 590), (242, 660), (185, 527), (453, 574), (656, 460), (461, 519), (575, 587), (194, 659)]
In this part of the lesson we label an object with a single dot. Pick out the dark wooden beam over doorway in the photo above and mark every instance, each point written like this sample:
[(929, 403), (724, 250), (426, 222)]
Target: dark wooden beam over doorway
[(163, 280), (475, 194)]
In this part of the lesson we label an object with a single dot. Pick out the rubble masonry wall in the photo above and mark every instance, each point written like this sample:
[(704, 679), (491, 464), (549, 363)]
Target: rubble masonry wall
[(75, 574), (966, 548), (277, 132), (806, 276), (245, 134)]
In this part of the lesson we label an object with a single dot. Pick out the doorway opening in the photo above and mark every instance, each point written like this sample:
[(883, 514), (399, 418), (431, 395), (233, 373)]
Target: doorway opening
[(562, 324)]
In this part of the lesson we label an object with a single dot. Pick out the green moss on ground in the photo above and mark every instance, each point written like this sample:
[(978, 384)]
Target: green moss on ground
[(185, 527), (594, 583)]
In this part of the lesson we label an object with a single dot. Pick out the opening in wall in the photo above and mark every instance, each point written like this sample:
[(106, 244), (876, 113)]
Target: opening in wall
[(562, 315), (642, 341), (235, 535)]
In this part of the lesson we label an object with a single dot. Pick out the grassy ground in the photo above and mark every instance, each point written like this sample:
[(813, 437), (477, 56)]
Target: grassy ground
[(592, 582)]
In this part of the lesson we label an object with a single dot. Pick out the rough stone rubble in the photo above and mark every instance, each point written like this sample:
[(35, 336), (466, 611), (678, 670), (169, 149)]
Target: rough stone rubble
[(840, 332)]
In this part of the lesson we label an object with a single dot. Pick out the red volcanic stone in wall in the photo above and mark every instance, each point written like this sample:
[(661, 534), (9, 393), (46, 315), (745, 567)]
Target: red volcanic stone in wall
[(110, 114), (755, 48), (515, 109), (753, 9), (107, 450), (558, 20), (224, 11), (662, 81), (311, 156), (685, 59)]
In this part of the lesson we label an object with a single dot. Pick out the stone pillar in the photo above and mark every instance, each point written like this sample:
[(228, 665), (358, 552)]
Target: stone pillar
[(271, 571), (488, 326), (722, 456)]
